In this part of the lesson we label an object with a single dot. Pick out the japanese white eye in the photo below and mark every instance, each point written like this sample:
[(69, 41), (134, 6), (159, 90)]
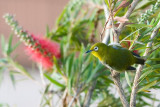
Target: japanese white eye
[(96, 48)]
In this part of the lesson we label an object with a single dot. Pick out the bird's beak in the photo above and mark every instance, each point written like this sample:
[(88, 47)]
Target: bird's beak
[(89, 51)]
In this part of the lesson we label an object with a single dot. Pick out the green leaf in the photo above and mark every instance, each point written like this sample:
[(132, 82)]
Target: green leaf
[(149, 70), (127, 79), (61, 49), (69, 64), (154, 75), (69, 85), (19, 68), (1, 74), (138, 25), (61, 16), (147, 86), (107, 80), (106, 1), (3, 60), (154, 59), (47, 89), (145, 74), (15, 46), (87, 67), (94, 71), (11, 74), (4, 105), (47, 31), (131, 34), (57, 65), (152, 21), (54, 81), (9, 49), (89, 70), (3, 43)]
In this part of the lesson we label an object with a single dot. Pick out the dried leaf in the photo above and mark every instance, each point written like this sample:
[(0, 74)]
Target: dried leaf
[(121, 19)]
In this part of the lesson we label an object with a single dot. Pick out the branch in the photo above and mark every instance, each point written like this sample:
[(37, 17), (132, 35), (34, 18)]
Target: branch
[(139, 69), (89, 94), (115, 75), (116, 79), (76, 95), (108, 23), (128, 13)]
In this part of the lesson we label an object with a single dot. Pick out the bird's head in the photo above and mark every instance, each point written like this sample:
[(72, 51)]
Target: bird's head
[(97, 50)]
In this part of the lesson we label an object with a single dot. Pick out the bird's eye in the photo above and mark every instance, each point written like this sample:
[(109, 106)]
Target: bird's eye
[(96, 48)]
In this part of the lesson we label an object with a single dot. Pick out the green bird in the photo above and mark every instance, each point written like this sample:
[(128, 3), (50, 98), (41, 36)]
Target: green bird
[(115, 57)]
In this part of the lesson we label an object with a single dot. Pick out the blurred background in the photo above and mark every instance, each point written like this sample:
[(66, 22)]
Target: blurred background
[(34, 16)]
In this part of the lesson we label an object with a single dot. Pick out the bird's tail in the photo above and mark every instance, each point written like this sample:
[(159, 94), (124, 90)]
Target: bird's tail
[(140, 61)]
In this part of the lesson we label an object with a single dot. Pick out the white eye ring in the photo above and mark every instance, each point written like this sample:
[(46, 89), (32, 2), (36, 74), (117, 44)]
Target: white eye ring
[(96, 48)]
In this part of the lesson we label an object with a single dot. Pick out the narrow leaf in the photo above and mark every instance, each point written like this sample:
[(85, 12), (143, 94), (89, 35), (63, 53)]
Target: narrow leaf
[(3, 43), (15, 46), (54, 81), (19, 68), (138, 25), (147, 86), (12, 77), (127, 79), (9, 44), (57, 65)]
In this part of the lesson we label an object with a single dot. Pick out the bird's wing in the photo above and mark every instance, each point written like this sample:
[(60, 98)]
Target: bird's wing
[(136, 54), (114, 44)]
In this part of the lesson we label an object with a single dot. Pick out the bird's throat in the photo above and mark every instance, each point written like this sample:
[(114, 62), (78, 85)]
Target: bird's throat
[(97, 55)]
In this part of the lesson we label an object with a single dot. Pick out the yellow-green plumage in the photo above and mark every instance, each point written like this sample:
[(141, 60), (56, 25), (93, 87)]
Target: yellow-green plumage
[(115, 56)]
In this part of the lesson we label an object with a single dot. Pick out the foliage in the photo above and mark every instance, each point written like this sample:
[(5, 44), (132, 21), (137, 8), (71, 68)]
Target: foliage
[(75, 74)]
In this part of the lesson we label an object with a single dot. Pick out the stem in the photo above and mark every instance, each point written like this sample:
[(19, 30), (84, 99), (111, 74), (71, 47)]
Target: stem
[(139, 69), (116, 78), (107, 31), (75, 97), (64, 98), (42, 75), (128, 13), (104, 29)]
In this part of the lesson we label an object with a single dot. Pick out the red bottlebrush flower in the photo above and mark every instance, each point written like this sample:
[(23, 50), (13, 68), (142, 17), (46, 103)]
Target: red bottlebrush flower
[(40, 49), (44, 51)]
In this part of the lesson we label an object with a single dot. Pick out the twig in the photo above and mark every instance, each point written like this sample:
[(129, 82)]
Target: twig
[(89, 94), (154, 49), (139, 69), (128, 13), (115, 36), (104, 28), (134, 42), (41, 75), (116, 78), (64, 98), (92, 38), (76, 95)]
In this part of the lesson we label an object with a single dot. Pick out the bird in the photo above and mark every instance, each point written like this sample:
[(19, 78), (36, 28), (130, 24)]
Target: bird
[(115, 57)]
